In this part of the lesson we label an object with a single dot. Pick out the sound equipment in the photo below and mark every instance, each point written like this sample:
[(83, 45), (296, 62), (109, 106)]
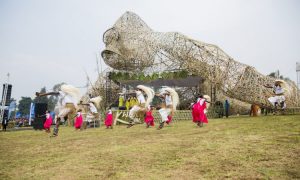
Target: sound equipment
[(8, 93), (39, 113), (40, 109), (38, 123)]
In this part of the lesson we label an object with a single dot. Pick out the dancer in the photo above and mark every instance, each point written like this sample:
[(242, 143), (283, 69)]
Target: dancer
[(168, 107), (109, 120), (66, 105), (78, 120), (48, 122), (142, 103), (149, 119), (170, 118), (93, 105), (199, 110), (278, 100)]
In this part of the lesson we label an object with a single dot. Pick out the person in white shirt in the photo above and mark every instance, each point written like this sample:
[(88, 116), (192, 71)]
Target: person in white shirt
[(278, 100)]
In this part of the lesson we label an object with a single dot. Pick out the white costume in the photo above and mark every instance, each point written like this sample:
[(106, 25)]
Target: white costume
[(278, 98), (171, 101), (66, 104), (164, 112), (142, 102), (93, 108), (93, 112)]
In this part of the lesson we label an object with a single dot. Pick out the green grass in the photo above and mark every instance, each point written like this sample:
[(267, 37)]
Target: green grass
[(235, 148)]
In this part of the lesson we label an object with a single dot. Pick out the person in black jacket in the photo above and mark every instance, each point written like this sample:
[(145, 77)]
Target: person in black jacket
[(4, 124)]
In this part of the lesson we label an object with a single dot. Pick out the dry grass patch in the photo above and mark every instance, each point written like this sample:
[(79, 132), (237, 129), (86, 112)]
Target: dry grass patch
[(235, 148)]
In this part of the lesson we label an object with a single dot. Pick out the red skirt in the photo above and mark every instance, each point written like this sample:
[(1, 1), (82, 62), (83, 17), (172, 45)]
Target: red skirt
[(149, 119), (169, 119), (198, 113), (48, 123), (108, 120), (78, 122)]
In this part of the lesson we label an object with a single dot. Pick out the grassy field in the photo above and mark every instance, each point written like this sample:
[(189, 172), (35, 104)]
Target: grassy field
[(236, 148)]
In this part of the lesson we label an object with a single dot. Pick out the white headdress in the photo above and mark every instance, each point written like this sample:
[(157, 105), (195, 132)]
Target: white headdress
[(174, 95), (279, 81), (149, 92), (283, 85), (72, 91), (96, 101), (207, 97)]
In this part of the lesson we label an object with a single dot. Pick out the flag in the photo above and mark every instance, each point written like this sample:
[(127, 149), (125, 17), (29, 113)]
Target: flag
[(31, 112), (11, 108)]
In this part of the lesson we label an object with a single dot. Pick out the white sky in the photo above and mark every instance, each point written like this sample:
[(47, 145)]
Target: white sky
[(46, 42)]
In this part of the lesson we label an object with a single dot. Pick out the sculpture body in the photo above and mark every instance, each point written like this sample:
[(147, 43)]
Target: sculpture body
[(132, 46)]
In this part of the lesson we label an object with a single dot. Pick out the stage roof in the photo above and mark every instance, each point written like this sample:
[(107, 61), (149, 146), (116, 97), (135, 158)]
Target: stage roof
[(191, 81)]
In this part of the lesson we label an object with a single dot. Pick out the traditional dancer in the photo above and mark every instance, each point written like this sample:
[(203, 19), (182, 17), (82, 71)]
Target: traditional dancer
[(94, 105), (109, 120), (149, 119), (199, 110), (48, 122), (170, 118), (66, 105), (170, 101), (78, 120), (278, 100), (142, 103)]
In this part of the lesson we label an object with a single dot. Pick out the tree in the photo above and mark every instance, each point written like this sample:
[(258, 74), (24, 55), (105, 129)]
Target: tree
[(24, 105), (273, 74), (53, 99)]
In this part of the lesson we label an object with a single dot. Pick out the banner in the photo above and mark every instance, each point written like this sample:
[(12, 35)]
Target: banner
[(12, 107), (31, 113)]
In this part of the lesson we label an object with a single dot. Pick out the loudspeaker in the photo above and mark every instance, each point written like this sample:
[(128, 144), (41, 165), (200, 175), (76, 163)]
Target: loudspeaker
[(38, 123), (40, 109), (39, 113), (8, 93)]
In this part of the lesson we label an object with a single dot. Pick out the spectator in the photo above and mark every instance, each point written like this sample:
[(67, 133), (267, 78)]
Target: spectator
[(227, 106), (4, 124)]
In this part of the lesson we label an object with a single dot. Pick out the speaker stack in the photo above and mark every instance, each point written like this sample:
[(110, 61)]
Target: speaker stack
[(8, 93), (39, 115)]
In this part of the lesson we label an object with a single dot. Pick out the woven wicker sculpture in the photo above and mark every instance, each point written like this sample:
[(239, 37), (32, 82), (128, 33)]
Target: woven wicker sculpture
[(132, 46)]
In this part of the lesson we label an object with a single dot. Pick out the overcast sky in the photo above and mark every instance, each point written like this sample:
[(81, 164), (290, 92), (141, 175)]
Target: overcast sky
[(46, 42)]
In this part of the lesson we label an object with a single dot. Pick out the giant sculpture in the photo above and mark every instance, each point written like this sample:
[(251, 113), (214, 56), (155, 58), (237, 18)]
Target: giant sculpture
[(132, 46)]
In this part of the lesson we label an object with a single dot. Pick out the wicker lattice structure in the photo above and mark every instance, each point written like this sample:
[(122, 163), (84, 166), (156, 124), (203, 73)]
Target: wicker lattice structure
[(132, 46)]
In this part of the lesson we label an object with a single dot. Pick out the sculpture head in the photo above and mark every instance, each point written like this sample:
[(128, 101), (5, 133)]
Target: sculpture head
[(126, 44)]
